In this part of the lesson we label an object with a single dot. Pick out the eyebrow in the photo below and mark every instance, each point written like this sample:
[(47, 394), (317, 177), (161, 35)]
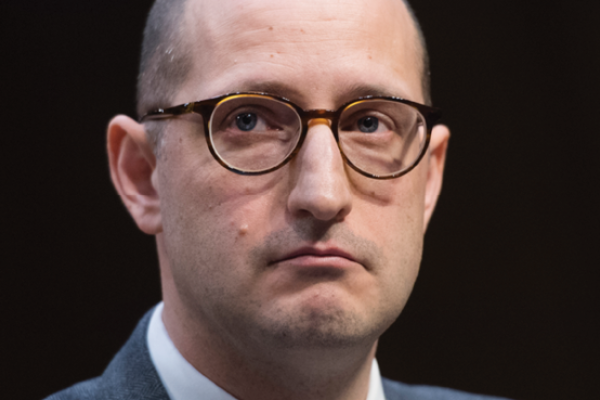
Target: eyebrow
[(344, 95), (271, 87), (362, 90)]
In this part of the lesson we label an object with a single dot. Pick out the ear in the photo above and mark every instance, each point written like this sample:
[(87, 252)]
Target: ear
[(132, 167), (437, 158)]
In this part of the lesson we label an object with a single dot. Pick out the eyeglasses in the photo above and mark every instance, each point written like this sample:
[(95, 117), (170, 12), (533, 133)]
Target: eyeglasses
[(256, 133)]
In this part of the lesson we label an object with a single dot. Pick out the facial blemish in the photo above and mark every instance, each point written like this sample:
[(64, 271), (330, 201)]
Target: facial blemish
[(272, 56), (302, 30), (243, 229), (270, 28)]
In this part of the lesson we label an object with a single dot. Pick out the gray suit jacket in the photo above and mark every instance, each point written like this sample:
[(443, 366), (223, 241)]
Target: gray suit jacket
[(131, 376)]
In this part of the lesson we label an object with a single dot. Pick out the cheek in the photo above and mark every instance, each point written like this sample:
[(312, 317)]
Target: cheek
[(391, 214), (196, 191), (402, 243), (391, 210), (201, 213), (211, 216), (194, 201), (207, 231)]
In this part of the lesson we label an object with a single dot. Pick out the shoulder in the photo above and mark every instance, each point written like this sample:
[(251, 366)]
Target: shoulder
[(88, 390), (401, 391), (129, 376)]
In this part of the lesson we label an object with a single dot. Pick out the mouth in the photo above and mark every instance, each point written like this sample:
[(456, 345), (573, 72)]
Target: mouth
[(314, 257)]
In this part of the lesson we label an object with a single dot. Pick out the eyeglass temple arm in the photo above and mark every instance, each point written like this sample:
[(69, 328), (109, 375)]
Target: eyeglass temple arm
[(432, 114), (169, 112)]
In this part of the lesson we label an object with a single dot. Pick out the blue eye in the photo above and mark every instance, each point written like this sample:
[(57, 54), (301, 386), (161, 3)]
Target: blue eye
[(246, 122), (368, 124)]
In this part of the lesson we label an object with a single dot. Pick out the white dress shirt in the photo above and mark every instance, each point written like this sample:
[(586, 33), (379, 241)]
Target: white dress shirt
[(183, 382)]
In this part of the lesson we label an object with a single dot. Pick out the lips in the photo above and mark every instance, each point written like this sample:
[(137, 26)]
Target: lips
[(331, 257)]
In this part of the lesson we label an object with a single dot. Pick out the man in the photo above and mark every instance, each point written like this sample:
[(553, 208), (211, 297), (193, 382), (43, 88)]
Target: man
[(289, 237)]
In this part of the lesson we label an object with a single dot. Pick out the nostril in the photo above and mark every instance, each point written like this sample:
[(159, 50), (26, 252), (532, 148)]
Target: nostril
[(326, 209), (325, 201)]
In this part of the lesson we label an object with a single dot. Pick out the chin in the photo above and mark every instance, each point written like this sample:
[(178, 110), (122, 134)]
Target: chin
[(311, 327)]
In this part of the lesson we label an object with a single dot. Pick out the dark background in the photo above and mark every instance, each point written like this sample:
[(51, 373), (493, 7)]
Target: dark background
[(507, 301)]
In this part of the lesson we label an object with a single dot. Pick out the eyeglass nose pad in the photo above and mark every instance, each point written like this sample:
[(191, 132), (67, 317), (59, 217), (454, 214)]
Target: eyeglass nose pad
[(318, 121)]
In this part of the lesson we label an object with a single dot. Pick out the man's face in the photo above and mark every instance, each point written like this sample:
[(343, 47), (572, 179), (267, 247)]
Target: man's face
[(312, 254)]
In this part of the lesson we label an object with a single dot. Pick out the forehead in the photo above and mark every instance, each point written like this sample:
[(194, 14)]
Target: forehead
[(302, 49)]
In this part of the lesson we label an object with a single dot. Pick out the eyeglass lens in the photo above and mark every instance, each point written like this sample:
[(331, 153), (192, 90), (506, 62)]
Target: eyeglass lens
[(254, 133), (382, 137)]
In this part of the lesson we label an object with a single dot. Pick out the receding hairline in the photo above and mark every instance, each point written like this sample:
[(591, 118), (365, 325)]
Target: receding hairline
[(165, 63)]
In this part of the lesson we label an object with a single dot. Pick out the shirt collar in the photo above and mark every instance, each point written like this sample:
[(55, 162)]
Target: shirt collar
[(183, 382)]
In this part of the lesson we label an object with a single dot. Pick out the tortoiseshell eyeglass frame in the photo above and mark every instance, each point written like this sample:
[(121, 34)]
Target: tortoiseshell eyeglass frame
[(205, 108)]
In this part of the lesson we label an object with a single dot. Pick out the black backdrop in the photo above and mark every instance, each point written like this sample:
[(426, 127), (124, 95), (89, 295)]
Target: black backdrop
[(507, 301)]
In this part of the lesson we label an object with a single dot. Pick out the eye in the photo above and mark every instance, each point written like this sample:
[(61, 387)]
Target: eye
[(246, 122), (368, 124)]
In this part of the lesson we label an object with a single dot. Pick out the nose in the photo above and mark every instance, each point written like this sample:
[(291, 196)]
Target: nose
[(320, 186)]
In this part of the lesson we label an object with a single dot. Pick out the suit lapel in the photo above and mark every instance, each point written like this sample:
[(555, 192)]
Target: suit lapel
[(131, 374)]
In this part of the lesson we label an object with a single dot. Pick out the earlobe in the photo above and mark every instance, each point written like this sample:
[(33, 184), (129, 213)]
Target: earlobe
[(132, 167), (437, 158)]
